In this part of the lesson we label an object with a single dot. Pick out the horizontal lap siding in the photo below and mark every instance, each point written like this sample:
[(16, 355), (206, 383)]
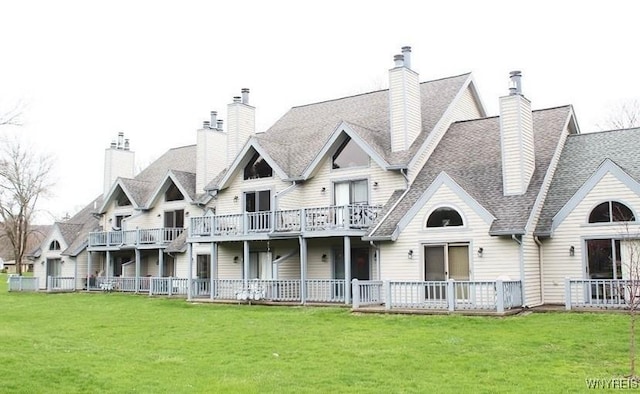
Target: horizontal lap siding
[(558, 265), (500, 255)]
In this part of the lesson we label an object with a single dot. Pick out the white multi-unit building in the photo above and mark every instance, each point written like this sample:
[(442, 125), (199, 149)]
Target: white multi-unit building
[(406, 198)]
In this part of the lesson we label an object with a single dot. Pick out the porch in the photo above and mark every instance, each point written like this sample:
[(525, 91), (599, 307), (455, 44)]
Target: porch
[(495, 297), (324, 291), (291, 221), (153, 237)]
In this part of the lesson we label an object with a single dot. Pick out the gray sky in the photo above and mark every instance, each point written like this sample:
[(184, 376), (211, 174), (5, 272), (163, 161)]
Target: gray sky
[(154, 69)]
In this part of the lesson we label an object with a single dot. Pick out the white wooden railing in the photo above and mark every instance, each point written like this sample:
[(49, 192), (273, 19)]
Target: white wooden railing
[(22, 283), (448, 295), (282, 290), (154, 236), (61, 283), (599, 293), (327, 218)]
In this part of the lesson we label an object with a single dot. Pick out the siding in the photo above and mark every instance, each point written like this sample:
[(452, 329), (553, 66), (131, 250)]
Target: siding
[(517, 143), (464, 108), (211, 156), (404, 108), (558, 265), (310, 195), (117, 163), (500, 255), (241, 124), (226, 205)]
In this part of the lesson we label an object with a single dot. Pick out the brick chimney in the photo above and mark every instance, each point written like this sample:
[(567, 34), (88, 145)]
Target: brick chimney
[(516, 136), (119, 162), (404, 102)]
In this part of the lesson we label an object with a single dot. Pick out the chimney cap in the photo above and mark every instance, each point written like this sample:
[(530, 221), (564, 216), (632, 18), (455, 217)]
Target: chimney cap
[(244, 90), (406, 48), (399, 60), (236, 99)]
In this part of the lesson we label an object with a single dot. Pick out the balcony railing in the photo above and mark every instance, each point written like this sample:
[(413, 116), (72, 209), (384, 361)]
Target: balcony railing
[(496, 296), (601, 293), (132, 238), (330, 218)]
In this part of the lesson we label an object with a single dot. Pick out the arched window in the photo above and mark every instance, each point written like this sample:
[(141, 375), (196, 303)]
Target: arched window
[(444, 217), (611, 211), (54, 245)]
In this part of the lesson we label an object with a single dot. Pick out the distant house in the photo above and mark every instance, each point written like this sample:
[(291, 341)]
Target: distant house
[(7, 261), (412, 191)]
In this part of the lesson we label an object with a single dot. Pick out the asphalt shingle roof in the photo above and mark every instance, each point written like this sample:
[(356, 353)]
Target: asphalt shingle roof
[(581, 157), (295, 139), (75, 231), (470, 153)]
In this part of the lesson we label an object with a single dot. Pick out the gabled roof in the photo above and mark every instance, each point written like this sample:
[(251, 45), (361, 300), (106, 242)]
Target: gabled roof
[(470, 154), (140, 189), (295, 139), (184, 181), (581, 158), (246, 153)]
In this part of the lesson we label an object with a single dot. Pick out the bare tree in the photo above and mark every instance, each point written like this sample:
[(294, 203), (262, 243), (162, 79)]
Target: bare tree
[(12, 117), (625, 115), (24, 179)]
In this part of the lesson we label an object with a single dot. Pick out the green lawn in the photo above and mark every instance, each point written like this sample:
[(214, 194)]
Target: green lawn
[(125, 343)]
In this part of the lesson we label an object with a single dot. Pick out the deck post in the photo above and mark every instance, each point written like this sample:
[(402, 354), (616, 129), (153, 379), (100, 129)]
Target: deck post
[(303, 269), (108, 262), (387, 297), (499, 296), (213, 270), (567, 294), (89, 270), (190, 274), (170, 286), (137, 281), (160, 263), (451, 295), (355, 288), (245, 264), (49, 283), (347, 269)]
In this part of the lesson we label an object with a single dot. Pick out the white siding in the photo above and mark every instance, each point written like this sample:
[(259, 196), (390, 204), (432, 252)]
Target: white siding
[(500, 255), (466, 107), (211, 156), (531, 263), (225, 202), (557, 264), (117, 163), (241, 124), (404, 107), (518, 156), (310, 193)]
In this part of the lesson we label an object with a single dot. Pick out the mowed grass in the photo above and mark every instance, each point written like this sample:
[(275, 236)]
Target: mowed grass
[(125, 343)]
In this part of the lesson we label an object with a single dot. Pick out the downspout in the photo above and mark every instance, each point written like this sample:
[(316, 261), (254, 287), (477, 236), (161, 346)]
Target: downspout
[(540, 267), (406, 177), (377, 252), (521, 253)]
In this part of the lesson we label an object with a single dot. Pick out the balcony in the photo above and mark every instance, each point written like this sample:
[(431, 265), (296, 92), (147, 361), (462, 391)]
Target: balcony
[(295, 221), (134, 238)]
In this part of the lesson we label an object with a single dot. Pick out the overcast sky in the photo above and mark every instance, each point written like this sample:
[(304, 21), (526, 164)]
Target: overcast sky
[(87, 70)]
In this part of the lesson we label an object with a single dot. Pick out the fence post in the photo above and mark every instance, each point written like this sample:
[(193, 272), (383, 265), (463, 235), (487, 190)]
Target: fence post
[(20, 283), (567, 294), (170, 289), (49, 284), (451, 295), (387, 297), (150, 286), (355, 290), (499, 296)]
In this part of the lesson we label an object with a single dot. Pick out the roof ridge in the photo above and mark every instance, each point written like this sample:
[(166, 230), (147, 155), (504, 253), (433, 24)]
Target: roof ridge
[(631, 129), (498, 116), (374, 91)]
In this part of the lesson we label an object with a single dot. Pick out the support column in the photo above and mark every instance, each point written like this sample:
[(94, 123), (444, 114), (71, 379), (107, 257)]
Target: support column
[(245, 264), (137, 253), (89, 270), (347, 270), (190, 274), (213, 271), (303, 269), (160, 263), (108, 265)]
